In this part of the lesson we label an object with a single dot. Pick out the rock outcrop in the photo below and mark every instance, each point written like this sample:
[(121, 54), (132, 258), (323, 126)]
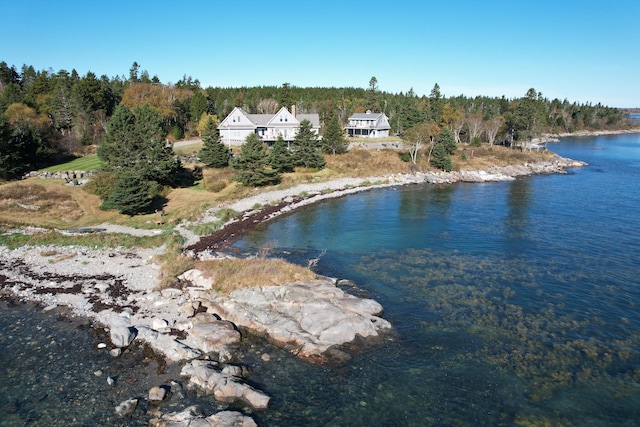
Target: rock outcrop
[(307, 318)]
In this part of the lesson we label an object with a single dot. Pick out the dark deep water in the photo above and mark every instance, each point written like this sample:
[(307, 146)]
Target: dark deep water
[(514, 303)]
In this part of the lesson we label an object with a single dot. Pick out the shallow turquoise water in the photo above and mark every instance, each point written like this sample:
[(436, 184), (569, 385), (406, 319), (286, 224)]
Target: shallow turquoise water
[(514, 304)]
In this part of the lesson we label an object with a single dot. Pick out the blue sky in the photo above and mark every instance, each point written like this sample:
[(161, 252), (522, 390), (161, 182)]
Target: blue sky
[(585, 51)]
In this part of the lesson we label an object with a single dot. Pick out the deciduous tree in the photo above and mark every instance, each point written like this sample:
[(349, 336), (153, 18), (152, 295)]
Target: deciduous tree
[(491, 128), (474, 124)]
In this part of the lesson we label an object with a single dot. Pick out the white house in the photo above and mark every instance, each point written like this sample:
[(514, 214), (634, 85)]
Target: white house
[(239, 124), (368, 125)]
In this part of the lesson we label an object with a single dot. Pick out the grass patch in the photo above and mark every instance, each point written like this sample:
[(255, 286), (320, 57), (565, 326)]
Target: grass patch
[(361, 163), (231, 274), (172, 262), (85, 163), (94, 240), (223, 216), (188, 149)]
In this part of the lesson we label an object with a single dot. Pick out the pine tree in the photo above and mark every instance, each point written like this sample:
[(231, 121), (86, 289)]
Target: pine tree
[(135, 142), (447, 138), (251, 165), (305, 148), (440, 159), (18, 148), (333, 140), (130, 196), (213, 153), (279, 157)]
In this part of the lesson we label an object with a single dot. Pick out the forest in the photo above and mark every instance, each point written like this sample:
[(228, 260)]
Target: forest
[(47, 114)]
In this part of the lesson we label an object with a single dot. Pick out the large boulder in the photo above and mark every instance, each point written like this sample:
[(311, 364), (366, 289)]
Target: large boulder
[(223, 385), (210, 334), (121, 332)]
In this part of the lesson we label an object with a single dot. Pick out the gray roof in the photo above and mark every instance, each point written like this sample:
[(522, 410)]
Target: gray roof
[(365, 116), (313, 118), (259, 119), (263, 119)]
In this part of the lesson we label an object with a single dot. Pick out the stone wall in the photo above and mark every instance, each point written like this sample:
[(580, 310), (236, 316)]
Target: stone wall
[(66, 175)]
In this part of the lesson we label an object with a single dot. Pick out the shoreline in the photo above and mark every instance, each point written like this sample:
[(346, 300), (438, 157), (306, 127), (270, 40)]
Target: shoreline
[(116, 288), (275, 203)]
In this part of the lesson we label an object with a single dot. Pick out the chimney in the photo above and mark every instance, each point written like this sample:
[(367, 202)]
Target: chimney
[(293, 110)]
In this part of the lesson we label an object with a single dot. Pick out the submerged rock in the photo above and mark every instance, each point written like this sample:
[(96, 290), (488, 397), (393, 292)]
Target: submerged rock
[(192, 417), (127, 407), (169, 346), (224, 385), (158, 393)]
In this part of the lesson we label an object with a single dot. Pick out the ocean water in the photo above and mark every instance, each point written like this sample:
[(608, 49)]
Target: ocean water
[(513, 304)]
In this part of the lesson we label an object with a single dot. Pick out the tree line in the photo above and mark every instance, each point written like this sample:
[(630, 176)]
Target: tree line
[(45, 114)]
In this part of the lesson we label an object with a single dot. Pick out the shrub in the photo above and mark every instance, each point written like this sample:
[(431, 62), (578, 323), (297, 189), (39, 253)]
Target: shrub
[(405, 157), (216, 186), (102, 184), (475, 142)]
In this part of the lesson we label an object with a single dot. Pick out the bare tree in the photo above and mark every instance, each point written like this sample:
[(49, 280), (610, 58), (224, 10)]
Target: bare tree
[(419, 135), (267, 106), (474, 123), (458, 123), (491, 128)]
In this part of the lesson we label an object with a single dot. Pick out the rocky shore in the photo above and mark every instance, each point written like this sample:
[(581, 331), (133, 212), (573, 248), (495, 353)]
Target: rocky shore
[(194, 325)]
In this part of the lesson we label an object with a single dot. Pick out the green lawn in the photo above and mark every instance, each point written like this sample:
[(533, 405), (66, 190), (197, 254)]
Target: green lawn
[(86, 163)]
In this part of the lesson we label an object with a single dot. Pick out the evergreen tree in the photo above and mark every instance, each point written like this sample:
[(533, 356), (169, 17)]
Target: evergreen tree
[(19, 148), (305, 148), (135, 149), (251, 165), (213, 152), (197, 106), (280, 157), (333, 140), (440, 159), (286, 97), (447, 138), (130, 196), (135, 142)]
